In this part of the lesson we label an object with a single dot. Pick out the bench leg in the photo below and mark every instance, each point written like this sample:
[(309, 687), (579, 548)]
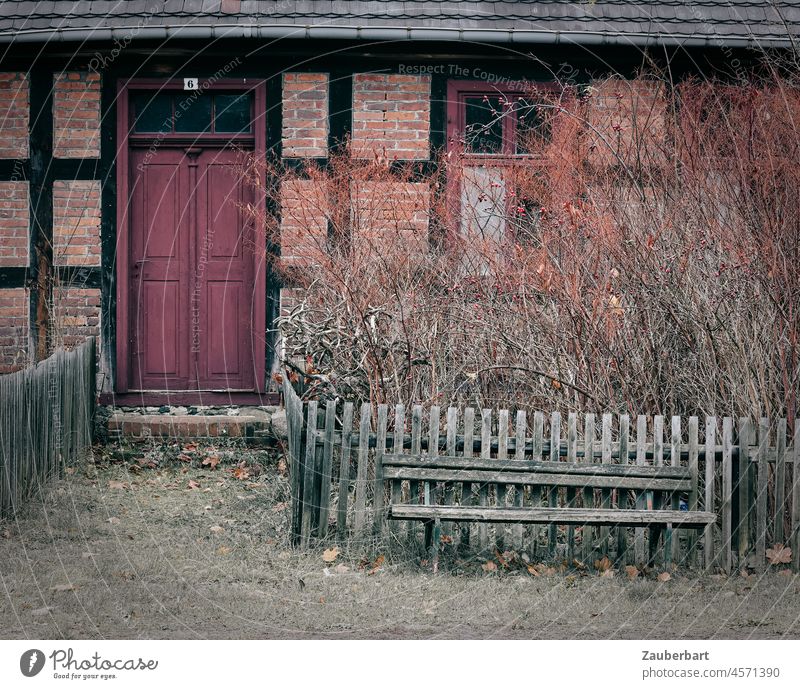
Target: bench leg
[(655, 537), (434, 528), (668, 538)]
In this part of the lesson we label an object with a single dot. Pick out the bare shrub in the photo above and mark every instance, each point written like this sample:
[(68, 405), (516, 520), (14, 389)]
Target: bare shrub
[(642, 256)]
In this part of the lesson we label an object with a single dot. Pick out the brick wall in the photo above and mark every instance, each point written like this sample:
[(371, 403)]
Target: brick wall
[(14, 329), (391, 211), (625, 114), (76, 315), (14, 115), (304, 221), (14, 224), (391, 116), (76, 222), (76, 115), (305, 115)]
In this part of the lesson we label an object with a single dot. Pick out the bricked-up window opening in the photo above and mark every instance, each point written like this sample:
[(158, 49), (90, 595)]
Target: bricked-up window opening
[(192, 113)]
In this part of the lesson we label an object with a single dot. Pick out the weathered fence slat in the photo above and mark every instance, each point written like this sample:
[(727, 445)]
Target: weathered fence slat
[(483, 492), (308, 473), (709, 486), (519, 490), (606, 501), (727, 494), (587, 535), (694, 467), (761, 496), (416, 449), (344, 471), (539, 498), (640, 556), (360, 516), (397, 447), (622, 494), (780, 481), (467, 497), (501, 493), (327, 465), (671, 538), (572, 458), (552, 493), (743, 489), (378, 496)]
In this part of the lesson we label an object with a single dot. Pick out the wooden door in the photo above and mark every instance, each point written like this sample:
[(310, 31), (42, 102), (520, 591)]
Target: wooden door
[(191, 271)]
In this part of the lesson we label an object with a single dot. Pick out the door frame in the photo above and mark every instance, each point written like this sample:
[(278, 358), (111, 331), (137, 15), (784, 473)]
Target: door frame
[(259, 302)]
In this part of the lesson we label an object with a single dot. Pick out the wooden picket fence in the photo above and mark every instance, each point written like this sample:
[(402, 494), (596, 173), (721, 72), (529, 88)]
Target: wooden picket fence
[(46, 421), (747, 476)]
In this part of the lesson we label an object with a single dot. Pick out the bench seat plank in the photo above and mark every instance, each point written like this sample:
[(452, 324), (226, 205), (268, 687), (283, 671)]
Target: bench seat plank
[(538, 478), (553, 515), (538, 466)]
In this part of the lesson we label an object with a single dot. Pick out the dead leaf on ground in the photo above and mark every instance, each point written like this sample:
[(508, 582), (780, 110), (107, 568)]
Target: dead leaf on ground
[(330, 554), (113, 520), (532, 571), (60, 588), (279, 507), (183, 457), (609, 573), (631, 571), (193, 485), (779, 554), (216, 529), (241, 472), (489, 566), (664, 576), (376, 565), (223, 550), (604, 564), (190, 447), (283, 469), (118, 485), (70, 470), (341, 568), (211, 461)]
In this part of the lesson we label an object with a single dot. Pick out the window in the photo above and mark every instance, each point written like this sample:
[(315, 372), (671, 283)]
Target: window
[(492, 133), (188, 112)]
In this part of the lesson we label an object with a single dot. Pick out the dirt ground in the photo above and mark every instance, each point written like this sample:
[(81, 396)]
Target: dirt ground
[(156, 546)]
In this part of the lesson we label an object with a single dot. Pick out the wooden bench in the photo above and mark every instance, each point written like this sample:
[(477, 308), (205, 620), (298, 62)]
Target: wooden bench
[(610, 485)]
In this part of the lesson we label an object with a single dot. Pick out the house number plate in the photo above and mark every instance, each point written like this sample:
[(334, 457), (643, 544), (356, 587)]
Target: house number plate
[(190, 84)]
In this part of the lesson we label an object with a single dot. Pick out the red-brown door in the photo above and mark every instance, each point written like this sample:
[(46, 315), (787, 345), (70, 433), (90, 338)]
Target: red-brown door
[(191, 271)]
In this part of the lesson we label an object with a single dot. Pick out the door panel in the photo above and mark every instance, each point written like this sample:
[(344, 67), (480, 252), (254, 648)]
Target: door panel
[(158, 269), (226, 281), (191, 267)]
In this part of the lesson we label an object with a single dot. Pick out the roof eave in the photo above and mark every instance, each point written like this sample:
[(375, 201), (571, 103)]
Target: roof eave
[(387, 33)]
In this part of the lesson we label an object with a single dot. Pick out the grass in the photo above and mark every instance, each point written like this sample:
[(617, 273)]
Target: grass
[(154, 547)]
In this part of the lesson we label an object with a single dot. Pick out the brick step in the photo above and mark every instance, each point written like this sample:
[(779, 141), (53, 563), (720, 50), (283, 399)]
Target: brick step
[(253, 424)]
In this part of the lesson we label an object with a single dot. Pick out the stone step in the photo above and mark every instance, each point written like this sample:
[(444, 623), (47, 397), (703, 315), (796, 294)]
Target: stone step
[(249, 423)]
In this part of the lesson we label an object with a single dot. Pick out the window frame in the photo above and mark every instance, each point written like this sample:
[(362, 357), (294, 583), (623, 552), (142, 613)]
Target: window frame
[(457, 93)]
